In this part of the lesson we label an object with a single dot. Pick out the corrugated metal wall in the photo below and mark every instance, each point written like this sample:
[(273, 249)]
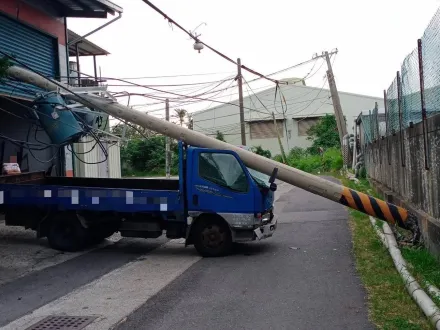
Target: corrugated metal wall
[(91, 155), (114, 160), (30, 46)]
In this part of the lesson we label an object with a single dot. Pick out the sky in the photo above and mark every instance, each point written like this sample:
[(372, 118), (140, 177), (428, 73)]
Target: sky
[(372, 37)]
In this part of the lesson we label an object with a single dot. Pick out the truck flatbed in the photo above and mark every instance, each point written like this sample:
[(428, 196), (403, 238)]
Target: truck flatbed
[(91, 194)]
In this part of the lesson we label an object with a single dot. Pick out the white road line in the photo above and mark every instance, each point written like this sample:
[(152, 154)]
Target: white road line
[(117, 294)]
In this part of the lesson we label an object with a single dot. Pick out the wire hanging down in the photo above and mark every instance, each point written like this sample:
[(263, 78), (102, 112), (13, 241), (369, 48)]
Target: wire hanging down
[(196, 39)]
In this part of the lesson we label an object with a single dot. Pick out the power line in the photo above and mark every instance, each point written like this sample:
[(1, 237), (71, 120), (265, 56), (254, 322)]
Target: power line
[(196, 39)]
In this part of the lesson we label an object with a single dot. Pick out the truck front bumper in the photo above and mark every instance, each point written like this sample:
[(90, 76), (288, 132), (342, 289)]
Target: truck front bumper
[(266, 230)]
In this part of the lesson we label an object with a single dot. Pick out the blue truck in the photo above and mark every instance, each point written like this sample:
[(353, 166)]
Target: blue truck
[(215, 202)]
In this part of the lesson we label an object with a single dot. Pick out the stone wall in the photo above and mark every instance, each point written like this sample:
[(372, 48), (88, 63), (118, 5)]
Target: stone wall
[(399, 173)]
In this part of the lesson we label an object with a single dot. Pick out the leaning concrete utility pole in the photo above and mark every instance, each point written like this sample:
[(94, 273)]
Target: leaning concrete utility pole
[(240, 102), (167, 142), (342, 127), (314, 184)]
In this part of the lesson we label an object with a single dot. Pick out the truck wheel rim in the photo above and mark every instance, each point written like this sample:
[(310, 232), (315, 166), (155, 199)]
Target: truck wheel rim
[(213, 236)]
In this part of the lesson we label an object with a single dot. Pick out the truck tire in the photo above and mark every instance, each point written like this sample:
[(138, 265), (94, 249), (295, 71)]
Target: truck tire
[(66, 234), (212, 237)]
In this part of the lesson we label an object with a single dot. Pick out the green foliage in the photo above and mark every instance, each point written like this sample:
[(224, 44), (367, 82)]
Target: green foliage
[(220, 136), (311, 162), (148, 156), (131, 132), (262, 152), (5, 64), (363, 173), (325, 133)]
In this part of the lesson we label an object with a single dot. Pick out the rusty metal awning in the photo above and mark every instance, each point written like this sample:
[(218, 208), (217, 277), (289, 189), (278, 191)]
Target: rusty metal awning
[(86, 8), (85, 47)]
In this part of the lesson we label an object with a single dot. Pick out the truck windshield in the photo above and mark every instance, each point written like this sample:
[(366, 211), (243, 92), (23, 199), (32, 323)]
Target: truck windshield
[(260, 179)]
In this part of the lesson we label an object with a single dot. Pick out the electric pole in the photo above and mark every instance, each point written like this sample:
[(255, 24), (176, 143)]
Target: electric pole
[(240, 100), (283, 154), (342, 127), (167, 142)]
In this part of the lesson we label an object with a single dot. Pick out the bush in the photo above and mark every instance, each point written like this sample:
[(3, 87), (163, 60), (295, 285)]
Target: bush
[(312, 162), (262, 152)]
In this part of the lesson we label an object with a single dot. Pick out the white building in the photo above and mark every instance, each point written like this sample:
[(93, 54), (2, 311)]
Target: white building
[(302, 108)]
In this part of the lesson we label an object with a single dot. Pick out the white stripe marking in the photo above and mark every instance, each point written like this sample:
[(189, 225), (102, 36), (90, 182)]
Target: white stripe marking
[(120, 292), (2, 197), (163, 207), (48, 193)]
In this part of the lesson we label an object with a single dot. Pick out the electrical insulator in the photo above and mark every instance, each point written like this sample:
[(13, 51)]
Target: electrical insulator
[(198, 46)]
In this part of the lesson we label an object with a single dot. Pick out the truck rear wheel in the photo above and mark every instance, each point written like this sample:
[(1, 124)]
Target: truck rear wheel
[(67, 234), (212, 238)]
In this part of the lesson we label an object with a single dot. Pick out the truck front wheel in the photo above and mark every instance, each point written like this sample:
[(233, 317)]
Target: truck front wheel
[(212, 237), (67, 234)]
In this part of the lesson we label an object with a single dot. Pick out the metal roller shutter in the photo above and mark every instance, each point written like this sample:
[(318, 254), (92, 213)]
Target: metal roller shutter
[(305, 124), (30, 46), (265, 129)]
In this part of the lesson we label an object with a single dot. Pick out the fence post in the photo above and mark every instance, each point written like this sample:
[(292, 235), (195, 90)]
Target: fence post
[(422, 100), (399, 103), (386, 125), (376, 109)]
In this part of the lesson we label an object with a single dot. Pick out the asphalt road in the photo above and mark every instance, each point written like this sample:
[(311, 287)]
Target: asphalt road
[(302, 278)]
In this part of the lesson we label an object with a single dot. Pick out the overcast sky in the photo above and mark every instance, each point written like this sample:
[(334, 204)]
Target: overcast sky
[(372, 37)]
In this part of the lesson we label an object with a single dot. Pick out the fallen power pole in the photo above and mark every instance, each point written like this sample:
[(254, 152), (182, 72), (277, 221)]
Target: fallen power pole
[(367, 204)]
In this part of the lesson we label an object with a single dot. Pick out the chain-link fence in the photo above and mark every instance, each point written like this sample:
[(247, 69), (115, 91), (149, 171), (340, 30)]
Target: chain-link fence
[(404, 106), (392, 108), (431, 65)]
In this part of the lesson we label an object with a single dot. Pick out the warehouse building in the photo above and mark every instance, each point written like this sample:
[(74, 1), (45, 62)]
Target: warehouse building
[(303, 107)]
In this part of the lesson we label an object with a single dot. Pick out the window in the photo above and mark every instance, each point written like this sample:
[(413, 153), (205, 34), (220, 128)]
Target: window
[(224, 170), (305, 124), (265, 129)]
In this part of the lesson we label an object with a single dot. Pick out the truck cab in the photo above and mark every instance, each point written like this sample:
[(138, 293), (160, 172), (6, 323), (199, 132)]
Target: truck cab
[(227, 202)]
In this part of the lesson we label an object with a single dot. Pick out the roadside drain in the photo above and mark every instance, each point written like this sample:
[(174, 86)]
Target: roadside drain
[(62, 323)]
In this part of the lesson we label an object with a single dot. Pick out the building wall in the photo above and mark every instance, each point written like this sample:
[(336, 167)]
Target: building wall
[(16, 128), (401, 174), (302, 101)]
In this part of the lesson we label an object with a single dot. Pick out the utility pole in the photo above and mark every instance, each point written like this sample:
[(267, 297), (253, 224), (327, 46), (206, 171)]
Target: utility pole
[(342, 127), (240, 100), (167, 142), (283, 154)]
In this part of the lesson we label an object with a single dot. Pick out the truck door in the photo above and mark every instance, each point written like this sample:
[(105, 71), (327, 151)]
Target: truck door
[(219, 183)]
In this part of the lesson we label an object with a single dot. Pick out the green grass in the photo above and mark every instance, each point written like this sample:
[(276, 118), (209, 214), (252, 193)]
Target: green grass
[(390, 306)]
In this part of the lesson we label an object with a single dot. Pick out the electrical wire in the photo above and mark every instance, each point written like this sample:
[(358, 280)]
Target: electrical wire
[(196, 39)]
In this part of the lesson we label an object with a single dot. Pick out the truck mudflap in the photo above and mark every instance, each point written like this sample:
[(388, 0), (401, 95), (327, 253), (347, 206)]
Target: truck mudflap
[(266, 230)]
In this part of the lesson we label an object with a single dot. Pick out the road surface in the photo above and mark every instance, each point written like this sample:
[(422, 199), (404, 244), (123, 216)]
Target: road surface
[(302, 278)]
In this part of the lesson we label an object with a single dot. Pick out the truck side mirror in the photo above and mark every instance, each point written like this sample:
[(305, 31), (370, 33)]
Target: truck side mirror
[(273, 176)]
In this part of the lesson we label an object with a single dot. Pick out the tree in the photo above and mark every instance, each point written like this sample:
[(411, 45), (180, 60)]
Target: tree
[(324, 134), (131, 132), (220, 136), (181, 113)]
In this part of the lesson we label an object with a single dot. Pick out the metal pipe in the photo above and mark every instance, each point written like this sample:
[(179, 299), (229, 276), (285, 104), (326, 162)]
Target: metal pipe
[(95, 30), (423, 103), (77, 65), (314, 184), (95, 69)]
